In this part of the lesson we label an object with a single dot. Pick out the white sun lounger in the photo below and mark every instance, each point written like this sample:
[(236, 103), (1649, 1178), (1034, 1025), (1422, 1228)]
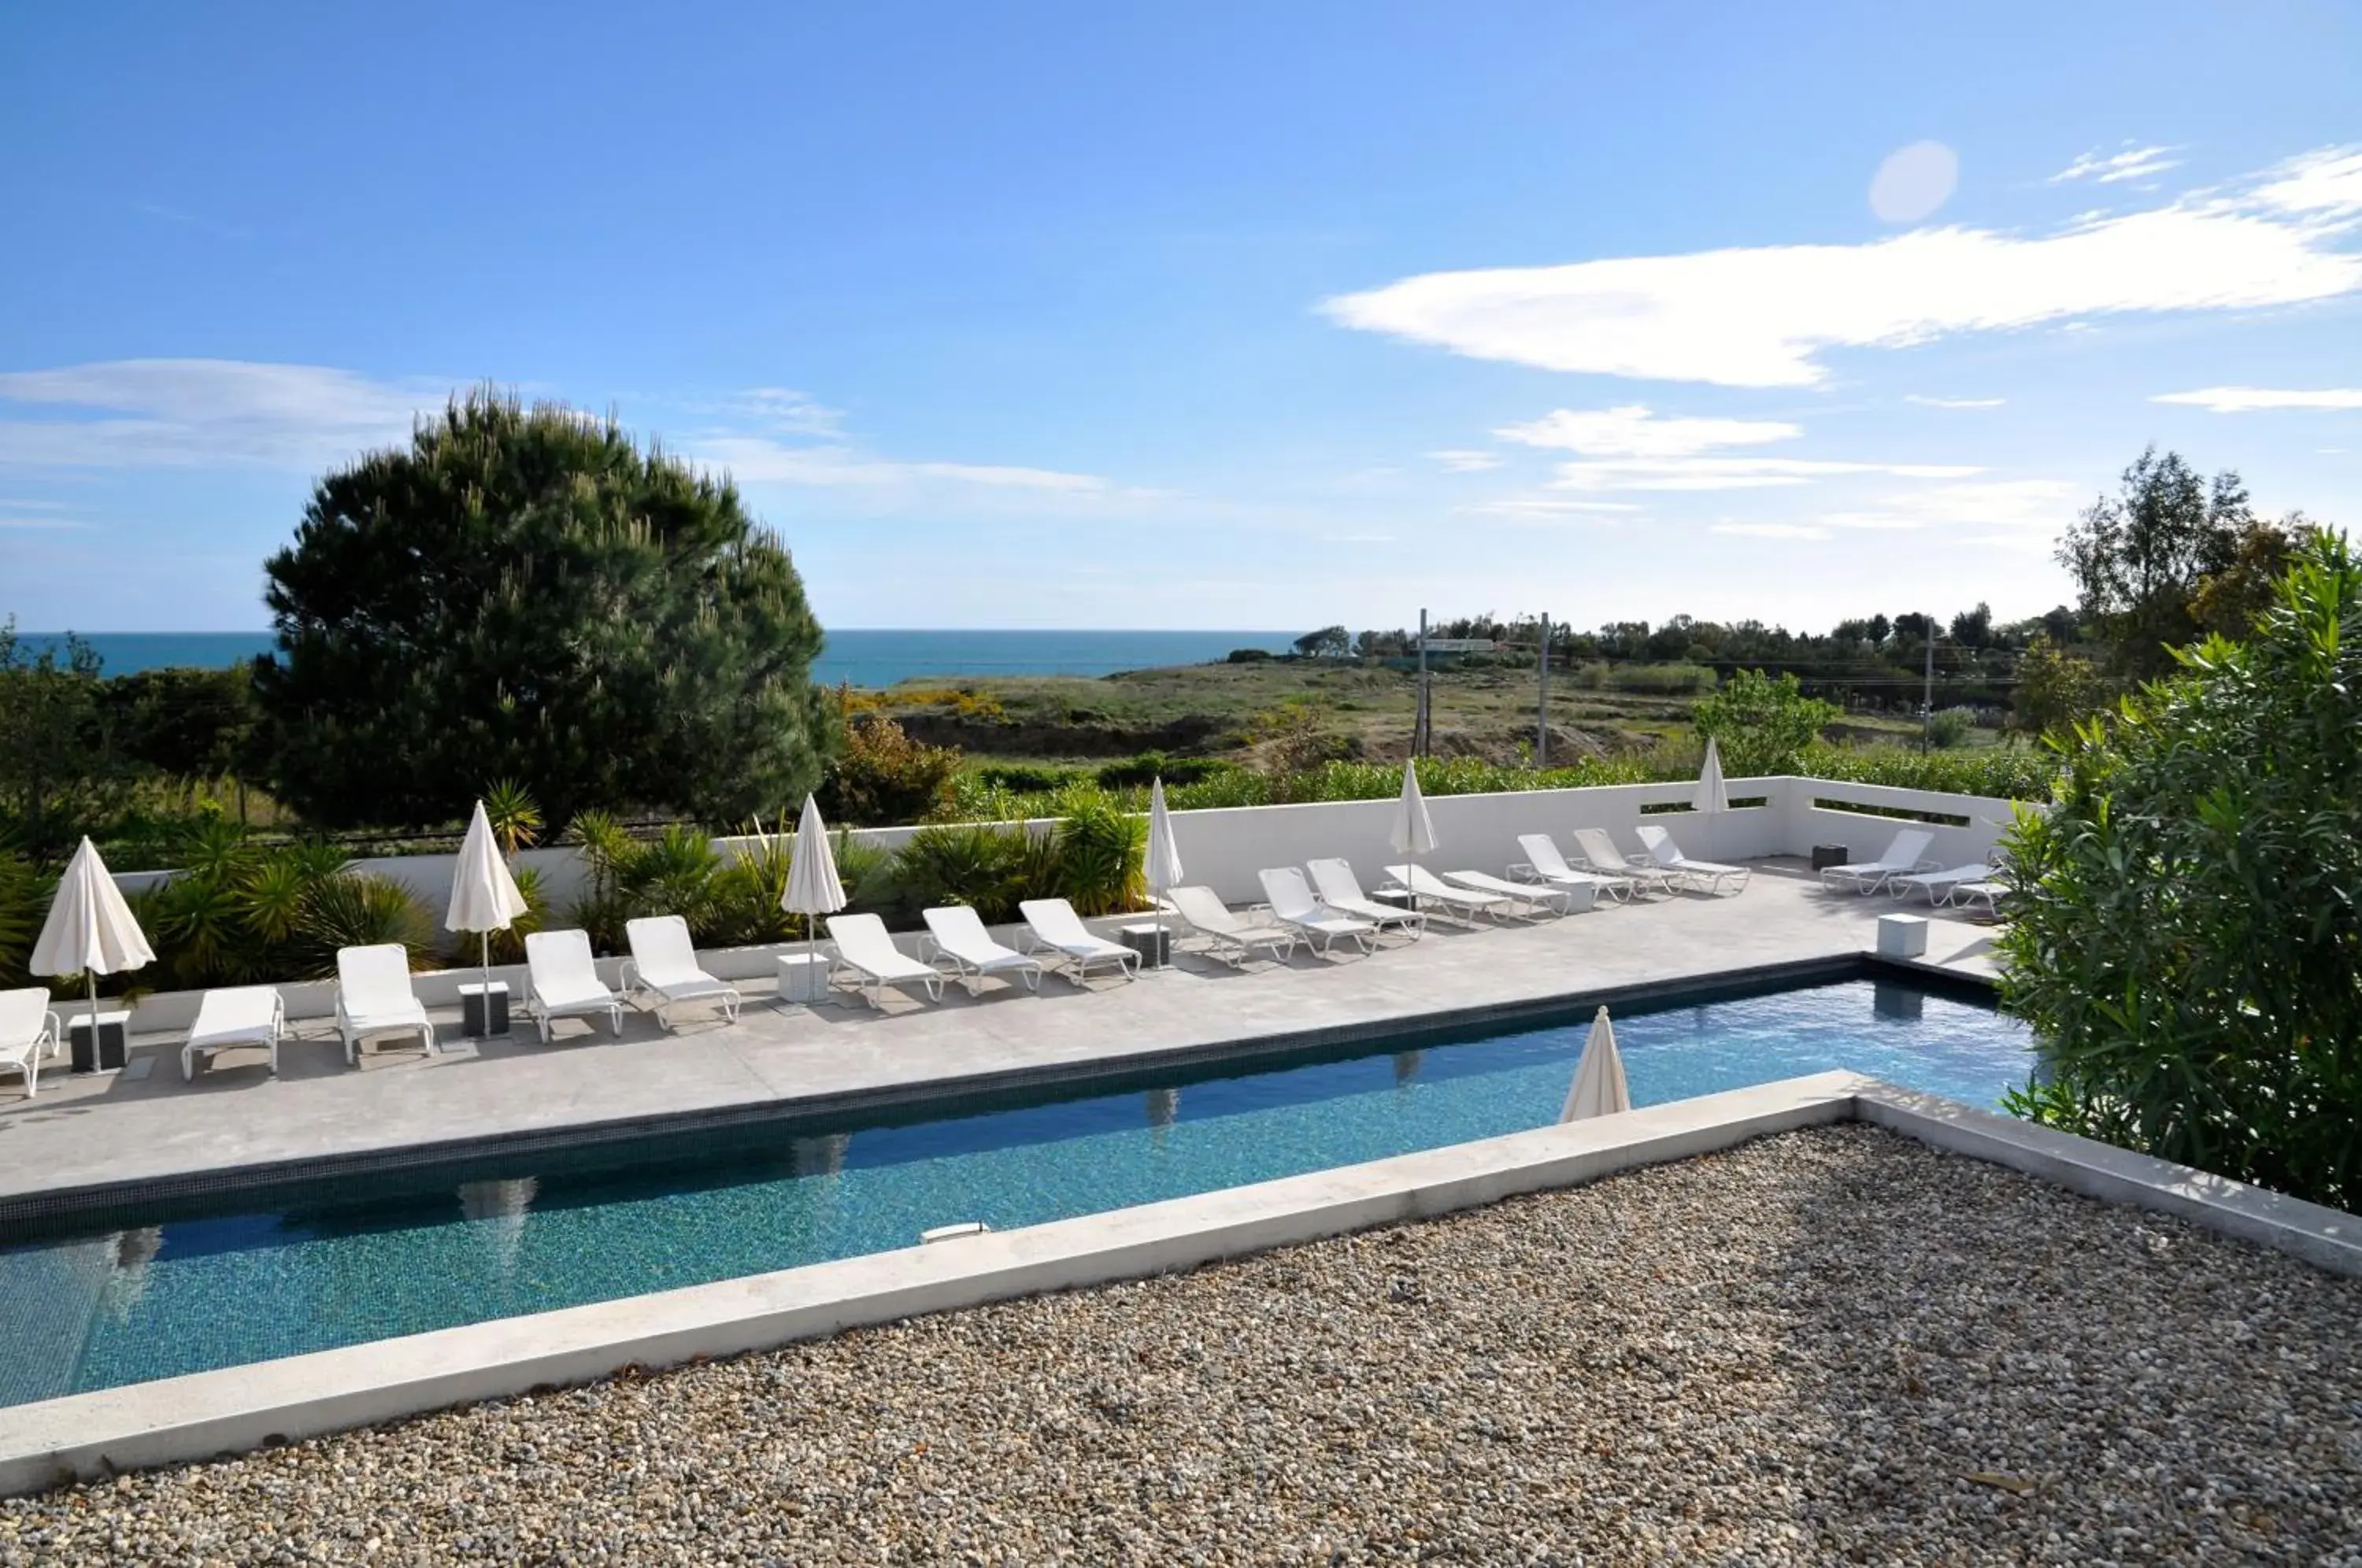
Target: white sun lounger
[(1231, 938), (1544, 864), (1292, 905), (29, 1033), (1426, 886), (957, 932), (1904, 857), (1052, 924), (242, 1015), (1600, 853), (1938, 885), (1535, 896), (374, 998), (863, 946), (1705, 874), (562, 981), (1334, 880), (664, 965), (1987, 890)]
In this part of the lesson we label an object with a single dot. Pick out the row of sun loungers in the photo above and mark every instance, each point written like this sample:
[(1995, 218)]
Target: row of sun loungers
[(1904, 869)]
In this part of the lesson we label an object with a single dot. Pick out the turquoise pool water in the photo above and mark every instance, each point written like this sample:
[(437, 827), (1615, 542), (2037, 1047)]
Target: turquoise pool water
[(361, 1260)]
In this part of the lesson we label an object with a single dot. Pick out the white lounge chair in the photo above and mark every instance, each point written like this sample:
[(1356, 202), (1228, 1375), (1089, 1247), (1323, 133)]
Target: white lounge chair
[(1051, 925), (1600, 853), (1534, 896), (1904, 857), (374, 998), (1544, 864), (1705, 874), (1229, 937), (29, 1033), (1334, 880), (1292, 905), (957, 932), (864, 947), (1938, 885), (664, 965), (1428, 888), (242, 1015), (1988, 890), (563, 981)]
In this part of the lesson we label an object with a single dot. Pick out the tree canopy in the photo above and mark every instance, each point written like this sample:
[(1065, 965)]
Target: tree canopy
[(527, 594), (2185, 938)]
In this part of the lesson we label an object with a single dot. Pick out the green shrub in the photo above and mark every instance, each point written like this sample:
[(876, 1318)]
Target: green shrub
[(1763, 726), (353, 910), (2183, 938), (883, 779), (1996, 772), (987, 868), (1100, 849), (1950, 727), (1024, 777), (24, 902)]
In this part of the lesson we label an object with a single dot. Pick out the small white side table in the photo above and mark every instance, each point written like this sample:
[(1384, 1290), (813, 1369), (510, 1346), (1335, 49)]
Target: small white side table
[(804, 977), (1902, 936)]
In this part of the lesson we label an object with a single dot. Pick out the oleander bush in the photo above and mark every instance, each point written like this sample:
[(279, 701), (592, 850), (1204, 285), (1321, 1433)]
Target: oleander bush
[(2184, 938)]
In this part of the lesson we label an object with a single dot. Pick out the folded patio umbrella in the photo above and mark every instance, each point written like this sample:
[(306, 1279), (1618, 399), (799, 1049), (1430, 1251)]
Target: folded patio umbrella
[(813, 886), (1164, 867), (1598, 1088), (1414, 832), (484, 897), (90, 931), (1711, 796)]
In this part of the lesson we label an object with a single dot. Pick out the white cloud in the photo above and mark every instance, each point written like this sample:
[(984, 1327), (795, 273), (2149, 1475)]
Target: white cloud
[(1738, 473), (1769, 530), (1913, 182), (2248, 400), (1535, 508), (756, 460), (2041, 507), (2112, 167), (1954, 402), (1460, 461), (786, 409), (205, 413), (1631, 431), (1763, 316)]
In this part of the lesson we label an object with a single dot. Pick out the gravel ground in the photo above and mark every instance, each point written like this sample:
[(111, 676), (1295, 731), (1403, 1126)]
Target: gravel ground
[(1834, 1346)]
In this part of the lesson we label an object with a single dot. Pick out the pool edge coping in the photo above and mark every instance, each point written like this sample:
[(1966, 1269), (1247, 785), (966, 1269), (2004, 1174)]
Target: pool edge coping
[(237, 1410)]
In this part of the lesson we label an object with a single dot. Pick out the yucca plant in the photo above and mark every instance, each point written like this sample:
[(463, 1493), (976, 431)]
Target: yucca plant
[(984, 868), (1100, 849), (515, 820), (354, 909), (24, 898), (508, 945), (745, 894)]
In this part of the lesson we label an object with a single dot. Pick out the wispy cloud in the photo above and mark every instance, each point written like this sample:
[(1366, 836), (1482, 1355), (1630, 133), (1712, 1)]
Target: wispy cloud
[(785, 409), (1462, 461), (2132, 162), (1954, 402), (1763, 317), (2249, 399), (1739, 473), (1630, 430), (2033, 510), (1769, 530), (204, 414), (761, 460), (1540, 508)]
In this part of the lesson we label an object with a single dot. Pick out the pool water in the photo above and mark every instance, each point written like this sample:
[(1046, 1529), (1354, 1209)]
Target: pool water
[(365, 1259)]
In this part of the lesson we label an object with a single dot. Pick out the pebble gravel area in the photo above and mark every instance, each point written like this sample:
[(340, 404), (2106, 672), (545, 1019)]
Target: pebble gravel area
[(1834, 1346)]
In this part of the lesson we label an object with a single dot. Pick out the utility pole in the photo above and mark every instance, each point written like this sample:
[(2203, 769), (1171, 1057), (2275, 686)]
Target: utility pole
[(1419, 722), (1542, 701), (1927, 695)]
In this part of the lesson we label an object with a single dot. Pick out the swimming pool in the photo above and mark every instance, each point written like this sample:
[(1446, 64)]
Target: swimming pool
[(365, 1258)]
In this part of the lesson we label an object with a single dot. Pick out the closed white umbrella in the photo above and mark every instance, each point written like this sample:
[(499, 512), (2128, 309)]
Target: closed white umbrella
[(1414, 832), (484, 897), (1164, 867), (1711, 796), (813, 886), (90, 930), (1598, 1088)]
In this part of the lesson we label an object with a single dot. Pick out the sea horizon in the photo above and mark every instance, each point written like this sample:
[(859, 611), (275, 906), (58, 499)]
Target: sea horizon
[(858, 656)]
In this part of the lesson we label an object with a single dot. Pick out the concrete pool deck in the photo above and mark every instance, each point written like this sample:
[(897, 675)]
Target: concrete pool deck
[(134, 1132)]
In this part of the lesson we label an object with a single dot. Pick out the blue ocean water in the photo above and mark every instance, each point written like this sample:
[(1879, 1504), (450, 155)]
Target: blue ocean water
[(152, 1300), (864, 657)]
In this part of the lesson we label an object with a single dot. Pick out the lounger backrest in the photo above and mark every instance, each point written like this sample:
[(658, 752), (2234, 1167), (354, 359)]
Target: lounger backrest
[(561, 957), (1291, 897), (1661, 846), (862, 939), (1423, 882), (957, 926), (374, 979), (1909, 845), (1055, 920), (660, 945), (1598, 848), (1201, 908), (1336, 880), (23, 1014), (1541, 853)]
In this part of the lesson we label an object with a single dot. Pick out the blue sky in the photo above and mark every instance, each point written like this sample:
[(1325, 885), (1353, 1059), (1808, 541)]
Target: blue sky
[(1090, 315)]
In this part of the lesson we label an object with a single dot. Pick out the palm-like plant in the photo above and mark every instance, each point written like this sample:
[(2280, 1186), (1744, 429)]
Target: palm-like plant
[(514, 817)]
